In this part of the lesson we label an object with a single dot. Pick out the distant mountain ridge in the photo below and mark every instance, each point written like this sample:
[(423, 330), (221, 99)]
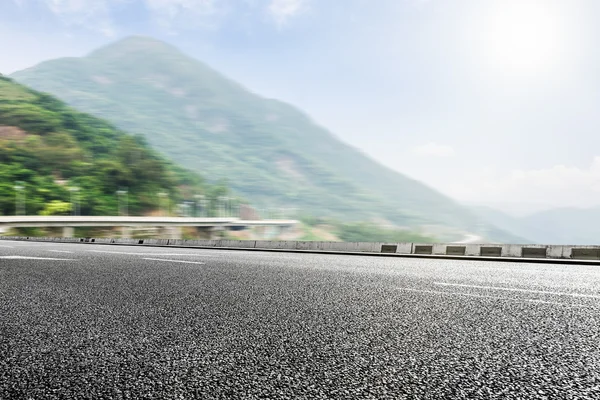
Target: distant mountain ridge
[(268, 151), (565, 225)]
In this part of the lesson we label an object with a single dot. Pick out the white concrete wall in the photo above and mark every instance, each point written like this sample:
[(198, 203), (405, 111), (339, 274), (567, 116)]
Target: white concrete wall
[(511, 250), (417, 246), (205, 243), (573, 248), (303, 246), (472, 249), (558, 252), (508, 250), (404, 248), (359, 247), (242, 244), (272, 245), (439, 249)]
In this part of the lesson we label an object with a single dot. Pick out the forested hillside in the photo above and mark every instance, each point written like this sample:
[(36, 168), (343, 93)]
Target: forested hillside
[(49, 148)]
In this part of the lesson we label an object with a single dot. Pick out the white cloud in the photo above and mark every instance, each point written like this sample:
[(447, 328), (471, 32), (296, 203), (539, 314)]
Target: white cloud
[(556, 186), (91, 13), (172, 15), (432, 149), (186, 13), (97, 14), (282, 10)]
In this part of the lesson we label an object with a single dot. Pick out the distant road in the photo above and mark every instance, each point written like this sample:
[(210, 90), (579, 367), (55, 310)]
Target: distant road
[(100, 322), (470, 238)]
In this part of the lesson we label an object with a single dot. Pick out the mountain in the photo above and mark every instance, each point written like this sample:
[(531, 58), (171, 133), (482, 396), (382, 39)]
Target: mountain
[(504, 221), (268, 151), (566, 225), (557, 226), (48, 148)]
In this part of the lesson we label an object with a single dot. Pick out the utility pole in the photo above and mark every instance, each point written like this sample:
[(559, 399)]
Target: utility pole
[(199, 204), (205, 203), (74, 200), (235, 208), (220, 201), (20, 207), (163, 199), (123, 206), (188, 208)]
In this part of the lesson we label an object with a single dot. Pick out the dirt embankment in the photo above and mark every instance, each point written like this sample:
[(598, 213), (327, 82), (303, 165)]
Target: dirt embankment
[(12, 133)]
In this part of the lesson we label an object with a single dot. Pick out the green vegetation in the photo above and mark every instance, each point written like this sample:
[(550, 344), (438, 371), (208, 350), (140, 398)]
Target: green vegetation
[(308, 234), (273, 154), (365, 232), (49, 148), (359, 231), (57, 207)]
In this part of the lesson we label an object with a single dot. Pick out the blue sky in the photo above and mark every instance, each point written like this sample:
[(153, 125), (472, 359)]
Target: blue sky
[(489, 101)]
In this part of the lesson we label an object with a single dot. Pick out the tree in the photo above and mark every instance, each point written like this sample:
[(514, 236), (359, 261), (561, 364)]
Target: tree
[(57, 207)]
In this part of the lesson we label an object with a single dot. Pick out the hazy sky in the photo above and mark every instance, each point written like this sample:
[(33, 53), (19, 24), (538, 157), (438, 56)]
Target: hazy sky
[(489, 101)]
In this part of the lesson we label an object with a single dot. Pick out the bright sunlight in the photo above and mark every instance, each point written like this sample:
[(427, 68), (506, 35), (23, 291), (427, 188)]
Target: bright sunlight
[(523, 37)]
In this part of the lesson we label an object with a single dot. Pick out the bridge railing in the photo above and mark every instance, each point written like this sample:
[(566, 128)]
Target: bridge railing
[(69, 220), (456, 251)]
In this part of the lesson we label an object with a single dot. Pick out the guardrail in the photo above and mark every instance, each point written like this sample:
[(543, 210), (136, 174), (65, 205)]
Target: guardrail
[(479, 251)]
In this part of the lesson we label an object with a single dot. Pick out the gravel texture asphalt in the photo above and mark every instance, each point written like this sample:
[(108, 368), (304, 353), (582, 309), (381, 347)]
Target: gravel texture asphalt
[(117, 322)]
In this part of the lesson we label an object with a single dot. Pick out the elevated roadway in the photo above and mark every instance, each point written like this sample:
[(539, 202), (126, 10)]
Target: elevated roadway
[(69, 222)]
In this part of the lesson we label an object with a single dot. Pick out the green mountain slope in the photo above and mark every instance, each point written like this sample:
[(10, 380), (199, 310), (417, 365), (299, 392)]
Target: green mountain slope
[(48, 148), (269, 151)]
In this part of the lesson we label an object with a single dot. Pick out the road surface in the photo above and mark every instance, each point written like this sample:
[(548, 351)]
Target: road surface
[(116, 322)]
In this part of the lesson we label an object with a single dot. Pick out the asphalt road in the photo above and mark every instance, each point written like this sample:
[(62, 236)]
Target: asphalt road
[(116, 322)]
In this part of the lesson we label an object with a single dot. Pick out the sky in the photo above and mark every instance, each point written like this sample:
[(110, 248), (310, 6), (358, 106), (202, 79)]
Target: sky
[(492, 102)]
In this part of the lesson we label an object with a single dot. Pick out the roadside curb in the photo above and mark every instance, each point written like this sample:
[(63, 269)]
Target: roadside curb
[(143, 243)]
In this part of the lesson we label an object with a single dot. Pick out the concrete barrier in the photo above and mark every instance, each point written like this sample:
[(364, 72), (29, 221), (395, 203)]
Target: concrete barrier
[(389, 248), (534, 252), (490, 251), (126, 241), (439, 249), (302, 245), (364, 247), (241, 244), (507, 250), (273, 245), (472, 250), (423, 249), (558, 252), (585, 253), (203, 243), (329, 246), (404, 248), (456, 250), (359, 247), (416, 249), (325, 246)]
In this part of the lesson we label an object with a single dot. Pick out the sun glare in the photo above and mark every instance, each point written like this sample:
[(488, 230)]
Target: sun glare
[(522, 37)]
